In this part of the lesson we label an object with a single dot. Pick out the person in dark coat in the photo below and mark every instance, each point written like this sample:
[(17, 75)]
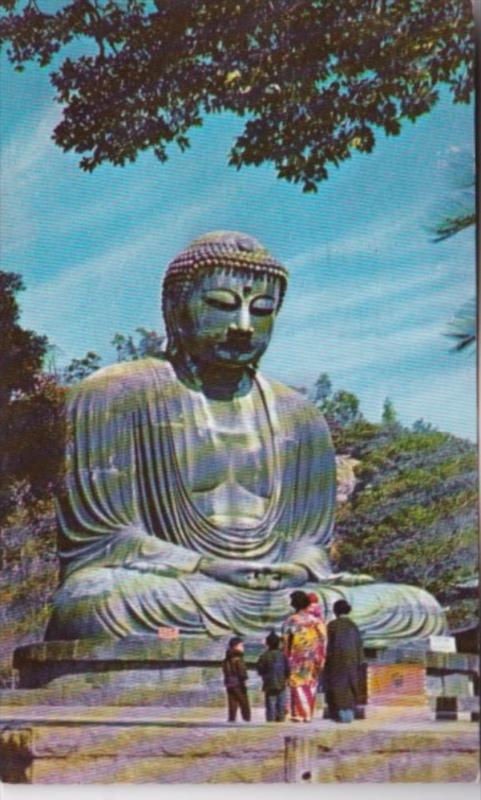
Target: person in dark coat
[(273, 667), (235, 678), (342, 670)]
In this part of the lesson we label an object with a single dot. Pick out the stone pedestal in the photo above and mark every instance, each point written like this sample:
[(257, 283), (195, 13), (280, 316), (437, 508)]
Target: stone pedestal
[(186, 671), (39, 665)]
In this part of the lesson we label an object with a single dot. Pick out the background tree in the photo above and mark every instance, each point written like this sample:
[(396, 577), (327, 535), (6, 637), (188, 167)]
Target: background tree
[(31, 403), (315, 79), (128, 348), (389, 415), (343, 408), (322, 389), (462, 327), (421, 426), (413, 515), (80, 368), (340, 408), (460, 216), (149, 344), (22, 350), (460, 212)]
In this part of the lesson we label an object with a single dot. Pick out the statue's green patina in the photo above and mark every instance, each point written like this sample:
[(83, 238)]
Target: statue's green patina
[(198, 493)]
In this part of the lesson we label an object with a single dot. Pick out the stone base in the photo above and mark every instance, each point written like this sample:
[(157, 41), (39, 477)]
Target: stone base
[(187, 672), (136, 671), (108, 745), (126, 661)]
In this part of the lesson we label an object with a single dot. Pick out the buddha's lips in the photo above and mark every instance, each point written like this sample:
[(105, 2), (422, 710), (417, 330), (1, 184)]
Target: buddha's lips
[(240, 345)]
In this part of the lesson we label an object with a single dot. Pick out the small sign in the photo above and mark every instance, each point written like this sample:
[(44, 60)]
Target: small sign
[(165, 632), (442, 644)]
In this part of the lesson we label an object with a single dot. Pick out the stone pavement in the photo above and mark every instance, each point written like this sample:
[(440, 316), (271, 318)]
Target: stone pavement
[(393, 717)]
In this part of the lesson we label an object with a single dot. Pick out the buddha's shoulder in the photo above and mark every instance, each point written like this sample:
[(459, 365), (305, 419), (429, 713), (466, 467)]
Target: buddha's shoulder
[(291, 404), (124, 380)]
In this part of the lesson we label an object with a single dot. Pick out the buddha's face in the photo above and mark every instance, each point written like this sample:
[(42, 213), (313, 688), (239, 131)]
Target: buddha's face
[(229, 316)]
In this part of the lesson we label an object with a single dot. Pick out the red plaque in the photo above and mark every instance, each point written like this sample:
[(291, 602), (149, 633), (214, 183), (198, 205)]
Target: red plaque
[(165, 632)]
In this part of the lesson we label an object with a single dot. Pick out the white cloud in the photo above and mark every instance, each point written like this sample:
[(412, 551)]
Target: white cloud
[(377, 237), (24, 161), (24, 155), (348, 352), (349, 298)]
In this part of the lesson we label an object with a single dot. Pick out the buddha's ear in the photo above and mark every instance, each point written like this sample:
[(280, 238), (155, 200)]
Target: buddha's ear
[(171, 321), (181, 315)]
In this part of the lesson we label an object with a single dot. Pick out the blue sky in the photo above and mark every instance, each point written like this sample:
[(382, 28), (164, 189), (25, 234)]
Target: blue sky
[(369, 295)]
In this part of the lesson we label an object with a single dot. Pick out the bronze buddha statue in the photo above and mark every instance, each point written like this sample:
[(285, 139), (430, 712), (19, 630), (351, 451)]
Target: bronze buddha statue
[(198, 493)]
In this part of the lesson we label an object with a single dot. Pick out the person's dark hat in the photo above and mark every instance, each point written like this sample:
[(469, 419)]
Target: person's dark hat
[(341, 607), (273, 640), (299, 600), (235, 641)]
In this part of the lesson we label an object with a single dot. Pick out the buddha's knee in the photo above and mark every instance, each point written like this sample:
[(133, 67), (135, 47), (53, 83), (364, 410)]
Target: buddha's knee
[(120, 601), (396, 611)]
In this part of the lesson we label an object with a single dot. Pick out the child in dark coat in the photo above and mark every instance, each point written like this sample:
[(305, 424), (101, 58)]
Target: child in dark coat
[(235, 678), (273, 667)]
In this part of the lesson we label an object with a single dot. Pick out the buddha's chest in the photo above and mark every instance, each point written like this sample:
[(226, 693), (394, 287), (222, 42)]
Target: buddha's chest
[(224, 452), (224, 442)]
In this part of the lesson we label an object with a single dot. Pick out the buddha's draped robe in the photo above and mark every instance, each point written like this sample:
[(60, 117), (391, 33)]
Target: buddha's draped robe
[(131, 535)]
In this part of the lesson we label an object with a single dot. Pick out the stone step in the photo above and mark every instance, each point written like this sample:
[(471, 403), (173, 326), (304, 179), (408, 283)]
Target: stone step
[(108, 745)]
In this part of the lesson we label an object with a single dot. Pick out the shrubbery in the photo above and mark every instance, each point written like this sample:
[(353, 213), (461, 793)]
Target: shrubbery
[(413, 515)]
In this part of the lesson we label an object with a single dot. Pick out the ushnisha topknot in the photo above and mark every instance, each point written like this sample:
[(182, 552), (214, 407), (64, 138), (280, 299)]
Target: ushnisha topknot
[(224, 249)]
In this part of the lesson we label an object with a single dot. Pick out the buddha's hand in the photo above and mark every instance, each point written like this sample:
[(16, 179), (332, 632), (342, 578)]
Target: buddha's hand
[(253, 575), (290, 575), (347, 579), (152, 568)]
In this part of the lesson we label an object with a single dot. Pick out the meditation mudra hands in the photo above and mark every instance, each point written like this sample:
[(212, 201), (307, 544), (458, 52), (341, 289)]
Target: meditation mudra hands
[(252, 574)]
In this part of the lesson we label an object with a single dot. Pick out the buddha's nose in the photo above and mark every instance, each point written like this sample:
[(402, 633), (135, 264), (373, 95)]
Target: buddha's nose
[(243, 322)]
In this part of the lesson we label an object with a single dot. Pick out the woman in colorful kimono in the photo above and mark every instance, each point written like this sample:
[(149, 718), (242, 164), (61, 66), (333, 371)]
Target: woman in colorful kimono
[(305, 643)]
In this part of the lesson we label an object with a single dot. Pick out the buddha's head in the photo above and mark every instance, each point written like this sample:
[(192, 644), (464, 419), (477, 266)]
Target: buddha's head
[(220, 299)]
